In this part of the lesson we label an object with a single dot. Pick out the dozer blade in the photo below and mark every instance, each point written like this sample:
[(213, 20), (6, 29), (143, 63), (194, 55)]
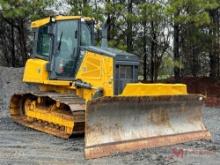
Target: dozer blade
[(57, 114), (121, 124)]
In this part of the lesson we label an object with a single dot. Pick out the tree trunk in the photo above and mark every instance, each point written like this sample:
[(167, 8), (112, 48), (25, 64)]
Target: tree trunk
[(214, 51), (152, 51), (156, 69), (129, 29), (176, 51), (22, 38), (145, 52)]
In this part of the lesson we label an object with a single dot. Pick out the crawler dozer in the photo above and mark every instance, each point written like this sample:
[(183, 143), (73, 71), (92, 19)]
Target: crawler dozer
[(95, 90)]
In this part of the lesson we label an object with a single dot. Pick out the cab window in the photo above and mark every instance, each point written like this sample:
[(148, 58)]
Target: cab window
[(86, 36), (43, 42)]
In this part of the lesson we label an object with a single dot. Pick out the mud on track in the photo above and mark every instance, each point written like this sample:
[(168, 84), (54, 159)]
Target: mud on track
[(24, 146)]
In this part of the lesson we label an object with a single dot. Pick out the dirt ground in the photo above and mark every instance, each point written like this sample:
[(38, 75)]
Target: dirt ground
[(19, 145)]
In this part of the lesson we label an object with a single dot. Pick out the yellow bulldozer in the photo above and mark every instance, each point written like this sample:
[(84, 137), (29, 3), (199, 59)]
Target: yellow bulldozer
[(95, 90)]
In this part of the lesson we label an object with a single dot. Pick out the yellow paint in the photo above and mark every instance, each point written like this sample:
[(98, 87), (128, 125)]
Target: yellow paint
[(140, 89), (57, 82), (49, 117), (97, 70), (48, 114), (60, 18), (44, 21), (40, 22), (35, 71), (56, 88)]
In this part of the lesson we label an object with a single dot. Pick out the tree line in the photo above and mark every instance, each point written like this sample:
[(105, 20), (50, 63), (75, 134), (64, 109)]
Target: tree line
[(172, 37)]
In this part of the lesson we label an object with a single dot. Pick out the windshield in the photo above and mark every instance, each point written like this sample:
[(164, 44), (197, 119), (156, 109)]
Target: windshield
[(67, 38)]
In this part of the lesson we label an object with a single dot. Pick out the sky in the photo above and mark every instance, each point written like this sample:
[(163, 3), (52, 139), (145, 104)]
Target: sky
[(60, 7)]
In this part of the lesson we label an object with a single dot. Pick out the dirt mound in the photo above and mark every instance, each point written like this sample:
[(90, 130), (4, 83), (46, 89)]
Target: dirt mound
[(203, 85), (206, 86), (10, 83)]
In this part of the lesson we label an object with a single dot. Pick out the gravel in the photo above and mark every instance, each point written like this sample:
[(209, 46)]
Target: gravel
[(10, 83), (20, 145)]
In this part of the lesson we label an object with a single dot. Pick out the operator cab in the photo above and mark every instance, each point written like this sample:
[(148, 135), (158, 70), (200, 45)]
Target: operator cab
[(58, 40), (63, 41)]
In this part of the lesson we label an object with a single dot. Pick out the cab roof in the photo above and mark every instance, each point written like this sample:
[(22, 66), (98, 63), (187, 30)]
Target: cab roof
[(44, 21)]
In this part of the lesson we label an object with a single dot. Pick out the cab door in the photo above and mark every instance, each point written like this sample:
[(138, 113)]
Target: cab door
[(64, 58)]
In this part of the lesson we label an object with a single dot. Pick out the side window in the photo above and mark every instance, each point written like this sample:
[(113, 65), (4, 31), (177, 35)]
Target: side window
[(86, 39), (43, 42)]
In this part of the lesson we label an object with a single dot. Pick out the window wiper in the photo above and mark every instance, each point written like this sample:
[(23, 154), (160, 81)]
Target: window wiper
[(60, 41)]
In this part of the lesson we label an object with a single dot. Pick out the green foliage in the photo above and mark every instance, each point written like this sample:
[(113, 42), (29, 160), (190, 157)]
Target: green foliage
[(144, 27), (191, 11), (15, 18), (166, 68), (83, 8), (24, 8), (117, 44), (149, 11)]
